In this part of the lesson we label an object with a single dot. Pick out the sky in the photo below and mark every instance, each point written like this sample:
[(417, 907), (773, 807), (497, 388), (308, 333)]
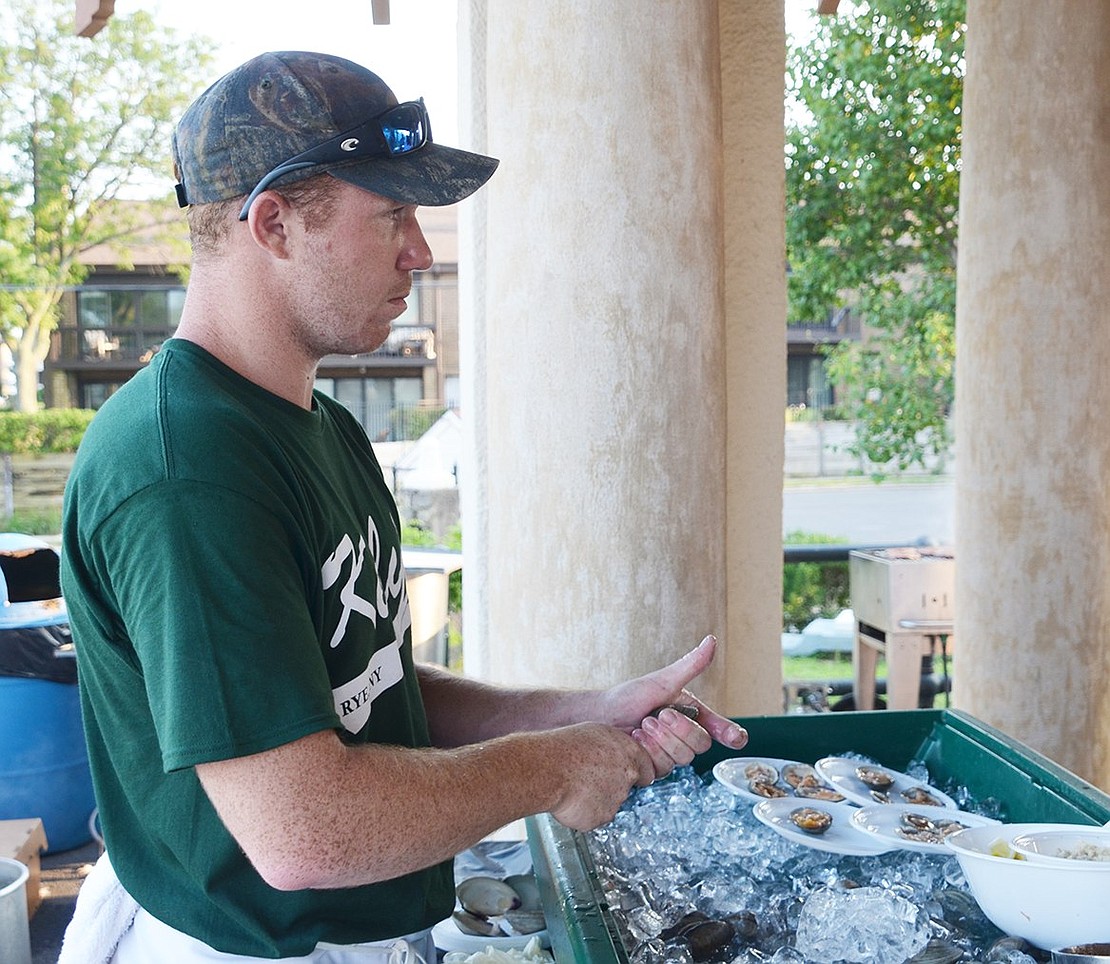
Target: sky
[(415, 53)]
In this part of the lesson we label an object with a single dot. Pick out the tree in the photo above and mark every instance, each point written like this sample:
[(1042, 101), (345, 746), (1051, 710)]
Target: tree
[(86, 124), (873, 162)]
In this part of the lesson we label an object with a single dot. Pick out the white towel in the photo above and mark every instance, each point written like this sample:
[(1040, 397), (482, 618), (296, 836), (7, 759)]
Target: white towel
[(104, 913)]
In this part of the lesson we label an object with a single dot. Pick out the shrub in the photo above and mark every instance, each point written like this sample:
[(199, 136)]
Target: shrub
[(415, 533), (50, 430), (33, 522), (811, 590)]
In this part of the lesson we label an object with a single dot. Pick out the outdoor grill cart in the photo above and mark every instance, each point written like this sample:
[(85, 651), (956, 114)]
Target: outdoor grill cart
[(952, 744)]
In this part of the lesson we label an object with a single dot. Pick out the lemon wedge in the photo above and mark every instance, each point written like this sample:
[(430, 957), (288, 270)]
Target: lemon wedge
[(1001, 848)]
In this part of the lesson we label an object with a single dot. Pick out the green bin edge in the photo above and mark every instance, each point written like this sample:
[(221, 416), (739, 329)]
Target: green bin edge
[(953, 744)]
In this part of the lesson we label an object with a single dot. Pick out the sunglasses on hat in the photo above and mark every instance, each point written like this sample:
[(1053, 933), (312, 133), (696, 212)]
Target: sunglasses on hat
[(395, 132)]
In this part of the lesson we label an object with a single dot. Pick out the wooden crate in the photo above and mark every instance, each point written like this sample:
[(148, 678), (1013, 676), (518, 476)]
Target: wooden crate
[(25, 840)]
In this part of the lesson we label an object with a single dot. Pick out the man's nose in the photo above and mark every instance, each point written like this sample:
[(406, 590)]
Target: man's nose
[(416, 255)]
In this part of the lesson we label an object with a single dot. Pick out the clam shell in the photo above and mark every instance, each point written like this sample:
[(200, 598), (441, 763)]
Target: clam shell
[(811, 819), (764, 789), (487, 896), (800, 774), (478, 926), (921, 797), (876, 778), (707, 938), (527, 890), (686, 922), (819, 793), (763, 772), (937, 952), (526, 921)]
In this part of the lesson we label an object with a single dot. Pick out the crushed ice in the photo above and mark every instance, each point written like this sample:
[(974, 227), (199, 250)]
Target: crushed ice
[(687, 851)]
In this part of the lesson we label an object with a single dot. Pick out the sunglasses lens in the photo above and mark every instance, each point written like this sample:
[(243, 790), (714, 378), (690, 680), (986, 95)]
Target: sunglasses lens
[(405, 128)]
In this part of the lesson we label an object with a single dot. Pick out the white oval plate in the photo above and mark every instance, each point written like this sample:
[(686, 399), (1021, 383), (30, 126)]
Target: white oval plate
[(448, 937), (840, 772), (883, 820), (841, 838), (730, 773)]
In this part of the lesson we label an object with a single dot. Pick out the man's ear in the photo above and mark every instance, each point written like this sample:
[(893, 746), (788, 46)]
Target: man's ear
[(269, 221)]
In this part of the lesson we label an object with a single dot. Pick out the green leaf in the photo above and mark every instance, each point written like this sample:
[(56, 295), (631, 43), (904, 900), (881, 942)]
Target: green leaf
[(872, 176)]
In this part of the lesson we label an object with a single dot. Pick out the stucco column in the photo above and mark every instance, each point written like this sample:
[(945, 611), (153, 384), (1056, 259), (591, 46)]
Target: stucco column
[(596, 512), (1033, 350)]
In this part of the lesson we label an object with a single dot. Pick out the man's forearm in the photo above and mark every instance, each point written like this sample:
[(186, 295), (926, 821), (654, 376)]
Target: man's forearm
[(462, 710)]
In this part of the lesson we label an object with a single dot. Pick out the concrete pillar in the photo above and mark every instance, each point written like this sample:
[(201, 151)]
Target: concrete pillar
[(1033, 350), (598, 506), (753, 64)]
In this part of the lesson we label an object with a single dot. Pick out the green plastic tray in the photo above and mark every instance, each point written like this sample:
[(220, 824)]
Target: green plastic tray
[(953, 744)]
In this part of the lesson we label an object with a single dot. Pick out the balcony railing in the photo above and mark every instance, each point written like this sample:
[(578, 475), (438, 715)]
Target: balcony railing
[(135, 346), (120, 345), (843, 324)]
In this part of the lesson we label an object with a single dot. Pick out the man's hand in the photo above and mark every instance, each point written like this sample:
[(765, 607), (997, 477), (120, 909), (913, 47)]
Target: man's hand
[(644, 708), (601, 765)]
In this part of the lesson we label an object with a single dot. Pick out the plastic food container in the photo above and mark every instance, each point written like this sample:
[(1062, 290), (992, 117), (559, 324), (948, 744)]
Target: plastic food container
[(1082, 954), (1051, 904), (1089, 845)]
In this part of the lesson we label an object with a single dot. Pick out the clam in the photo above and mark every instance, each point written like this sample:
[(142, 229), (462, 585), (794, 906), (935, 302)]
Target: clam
[(744, 923), (764, 772), (811, 819), (920, 834), (800, 774), (526, 889), (924, 829), (938, 951), (921, 797), (487, 896), (916, 821), (706, 939), (819, 793), (478, 926), (526, 921), (874, 778), (686, 922), (764, 789)]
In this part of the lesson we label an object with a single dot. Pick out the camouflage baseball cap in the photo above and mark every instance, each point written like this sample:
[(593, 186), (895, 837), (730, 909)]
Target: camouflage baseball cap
[(280, 105)]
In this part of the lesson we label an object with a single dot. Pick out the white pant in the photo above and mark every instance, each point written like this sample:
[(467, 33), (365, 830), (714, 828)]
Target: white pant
[(108, 927), (150, 941)]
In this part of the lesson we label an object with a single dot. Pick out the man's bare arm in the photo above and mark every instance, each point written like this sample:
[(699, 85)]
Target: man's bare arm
[(316, 813)]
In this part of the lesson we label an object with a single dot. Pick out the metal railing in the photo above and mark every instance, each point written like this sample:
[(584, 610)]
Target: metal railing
[(135, 346)]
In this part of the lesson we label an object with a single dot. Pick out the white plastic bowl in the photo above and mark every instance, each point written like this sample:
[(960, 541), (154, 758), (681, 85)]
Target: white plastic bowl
[(1046, 845), (1051, 905)]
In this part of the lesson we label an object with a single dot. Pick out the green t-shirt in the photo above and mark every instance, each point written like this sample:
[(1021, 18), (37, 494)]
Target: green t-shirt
[(232, 569)]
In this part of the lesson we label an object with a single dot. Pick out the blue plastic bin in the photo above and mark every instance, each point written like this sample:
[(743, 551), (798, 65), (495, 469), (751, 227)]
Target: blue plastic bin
[(44, 766)]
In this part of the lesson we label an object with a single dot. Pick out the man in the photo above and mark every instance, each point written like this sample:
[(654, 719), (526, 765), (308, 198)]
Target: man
[(275, 777)]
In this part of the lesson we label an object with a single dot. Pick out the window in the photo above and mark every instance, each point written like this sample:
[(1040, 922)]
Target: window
[(806, 384), (379, 404), (95, 394), (126, 322)]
